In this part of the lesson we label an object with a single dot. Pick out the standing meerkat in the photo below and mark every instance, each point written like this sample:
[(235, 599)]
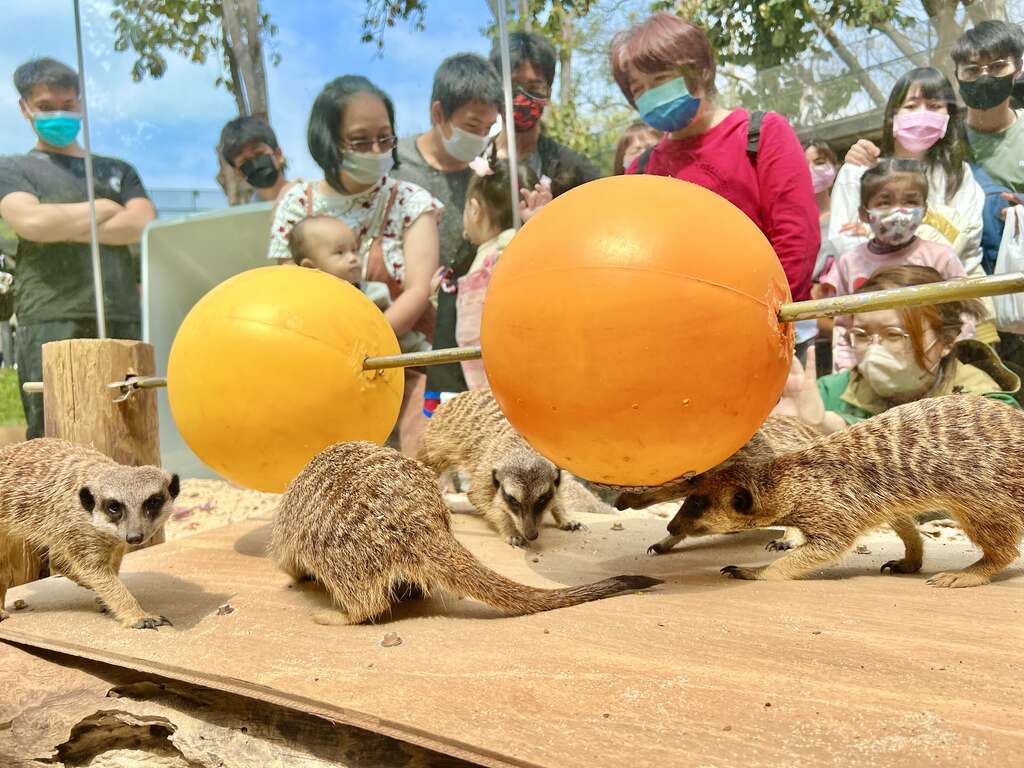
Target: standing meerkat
[(510, 484), (778, 435), (960, 453), (85, 509), (368, 524)]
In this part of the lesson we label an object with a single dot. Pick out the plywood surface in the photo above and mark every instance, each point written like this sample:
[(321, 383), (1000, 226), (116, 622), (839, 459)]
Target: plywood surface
[(846, 668)]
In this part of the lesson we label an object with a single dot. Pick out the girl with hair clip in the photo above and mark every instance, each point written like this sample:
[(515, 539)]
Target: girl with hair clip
[(922, 122), (487, 224)]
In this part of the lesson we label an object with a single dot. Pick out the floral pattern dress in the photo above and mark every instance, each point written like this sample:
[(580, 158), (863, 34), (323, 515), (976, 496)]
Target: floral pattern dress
[(362, 212)]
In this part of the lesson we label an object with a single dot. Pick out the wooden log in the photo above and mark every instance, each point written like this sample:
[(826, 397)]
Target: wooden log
[(79, 407)]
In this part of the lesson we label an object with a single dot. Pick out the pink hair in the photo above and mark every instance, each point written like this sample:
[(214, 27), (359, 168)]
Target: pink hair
[(662, 42)]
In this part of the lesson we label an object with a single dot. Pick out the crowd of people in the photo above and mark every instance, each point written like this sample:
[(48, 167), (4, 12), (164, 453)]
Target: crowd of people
[(418, 223)]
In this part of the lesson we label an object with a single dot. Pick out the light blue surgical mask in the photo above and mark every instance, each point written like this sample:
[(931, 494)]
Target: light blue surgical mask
[(669, 107), (58, 129)]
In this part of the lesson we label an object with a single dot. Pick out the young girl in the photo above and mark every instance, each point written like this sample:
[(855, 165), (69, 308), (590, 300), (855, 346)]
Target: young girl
[(922, 122), (487, 224), (635, 140), (893, 202), (901, 356)]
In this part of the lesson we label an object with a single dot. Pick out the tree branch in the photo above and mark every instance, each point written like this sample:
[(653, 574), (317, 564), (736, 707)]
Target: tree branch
[(847, 57)]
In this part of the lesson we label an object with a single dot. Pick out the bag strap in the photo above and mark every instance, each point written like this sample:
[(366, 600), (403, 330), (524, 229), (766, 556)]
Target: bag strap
[(754, 135), (309, 199)]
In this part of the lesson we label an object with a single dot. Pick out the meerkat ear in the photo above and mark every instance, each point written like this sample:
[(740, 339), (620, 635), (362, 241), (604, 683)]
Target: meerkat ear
[(174, 486), (495, 480), (86, 498), (558, 477)]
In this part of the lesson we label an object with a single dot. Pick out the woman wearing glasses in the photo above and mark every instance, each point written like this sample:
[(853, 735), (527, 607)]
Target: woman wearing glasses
[(902, 355), (351, 137)]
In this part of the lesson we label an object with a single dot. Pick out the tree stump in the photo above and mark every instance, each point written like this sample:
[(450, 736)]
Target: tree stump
[(80, 408)]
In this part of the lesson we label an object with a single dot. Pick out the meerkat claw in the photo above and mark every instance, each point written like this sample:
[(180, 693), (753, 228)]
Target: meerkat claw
[(738, 572), (517, 541), (151, 622), (778, 545), (4, 615), (573, 525), (899, 566)]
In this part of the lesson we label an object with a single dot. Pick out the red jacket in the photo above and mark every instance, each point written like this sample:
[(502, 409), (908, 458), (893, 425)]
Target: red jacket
[(776, 193)]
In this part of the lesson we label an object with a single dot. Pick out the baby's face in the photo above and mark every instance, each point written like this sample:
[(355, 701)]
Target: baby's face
[(333, 248)]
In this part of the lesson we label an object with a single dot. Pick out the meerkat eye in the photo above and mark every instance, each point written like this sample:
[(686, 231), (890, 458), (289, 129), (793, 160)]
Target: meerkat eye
[(154, 504), (543, 501), (512, 502), (115, 510), (743, 501)]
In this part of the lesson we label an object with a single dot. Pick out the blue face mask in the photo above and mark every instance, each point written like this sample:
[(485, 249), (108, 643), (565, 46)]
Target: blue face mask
[(57, 129), (669, 107)]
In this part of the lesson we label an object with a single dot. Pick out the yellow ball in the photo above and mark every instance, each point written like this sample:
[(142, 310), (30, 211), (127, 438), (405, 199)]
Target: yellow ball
[(266, 371)]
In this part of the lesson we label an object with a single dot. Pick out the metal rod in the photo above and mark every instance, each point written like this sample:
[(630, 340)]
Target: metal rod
[(510, 126), (896, 298), (412, 359), (90, 189)]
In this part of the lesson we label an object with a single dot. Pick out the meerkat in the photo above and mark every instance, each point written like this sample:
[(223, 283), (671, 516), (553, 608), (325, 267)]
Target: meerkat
[(960, 453), (368, 523), (778, 435), (85, 509), (510, 484)]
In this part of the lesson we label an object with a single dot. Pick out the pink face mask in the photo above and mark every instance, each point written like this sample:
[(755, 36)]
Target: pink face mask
[(822, 176), (919, 130)]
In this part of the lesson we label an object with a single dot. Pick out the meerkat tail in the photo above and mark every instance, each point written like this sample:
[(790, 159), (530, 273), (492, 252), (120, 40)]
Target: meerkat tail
[(458, 572)]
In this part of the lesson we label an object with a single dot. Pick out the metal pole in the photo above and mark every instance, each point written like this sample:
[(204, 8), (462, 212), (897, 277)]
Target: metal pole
[(897, 298), (94, 246), (510, 126)]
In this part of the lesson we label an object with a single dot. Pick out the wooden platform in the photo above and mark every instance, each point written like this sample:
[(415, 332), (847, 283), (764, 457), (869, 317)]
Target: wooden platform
[(848, 668)]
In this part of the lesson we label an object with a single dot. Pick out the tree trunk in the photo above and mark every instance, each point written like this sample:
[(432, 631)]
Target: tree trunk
[(942, 15), (566, 89), (524, 15), (847, 57), (984, 10), (903, 43)]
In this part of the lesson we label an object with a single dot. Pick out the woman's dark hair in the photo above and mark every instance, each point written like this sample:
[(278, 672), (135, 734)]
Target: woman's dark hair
[(325, 119), (636, 129), (952, 150), (494, 191), (822, 147), (945, 320), (529, 47)]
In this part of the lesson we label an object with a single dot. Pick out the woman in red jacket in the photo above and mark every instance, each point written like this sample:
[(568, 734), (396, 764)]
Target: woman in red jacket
[(666, 69)]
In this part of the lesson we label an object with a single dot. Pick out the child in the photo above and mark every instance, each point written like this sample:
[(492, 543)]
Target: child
[(487, 224), (893, 202), (329, 245), (635, 140)]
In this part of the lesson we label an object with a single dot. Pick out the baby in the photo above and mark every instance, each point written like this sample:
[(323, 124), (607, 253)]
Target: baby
[(329, 245)]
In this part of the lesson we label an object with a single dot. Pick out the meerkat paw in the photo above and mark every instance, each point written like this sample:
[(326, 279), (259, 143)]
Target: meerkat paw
[(573, 525), (738, 572), (901, 566), (658, 548), (151, 622), (332, 618), (516, 540), (4, 614), (101, 606), (778, 545), (957, 579)]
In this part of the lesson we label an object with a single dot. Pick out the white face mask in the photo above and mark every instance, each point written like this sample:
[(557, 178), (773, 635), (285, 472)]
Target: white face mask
[(895, 226), (367, 167), (463, 145), (891, 376)]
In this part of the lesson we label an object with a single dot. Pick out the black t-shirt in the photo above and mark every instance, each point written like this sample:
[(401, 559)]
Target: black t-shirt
[(53, 281)]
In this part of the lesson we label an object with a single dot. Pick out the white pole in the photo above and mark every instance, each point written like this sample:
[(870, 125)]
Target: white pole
[(510, 126), (97, 268)]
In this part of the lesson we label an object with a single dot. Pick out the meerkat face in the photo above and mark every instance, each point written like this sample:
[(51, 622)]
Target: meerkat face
[(526, 489), (130, 503), (719, 503)]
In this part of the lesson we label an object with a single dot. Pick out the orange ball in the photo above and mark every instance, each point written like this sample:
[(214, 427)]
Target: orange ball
[(630, 331)]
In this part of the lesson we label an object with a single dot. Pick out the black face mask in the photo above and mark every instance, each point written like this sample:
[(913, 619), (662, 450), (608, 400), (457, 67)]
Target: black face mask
[(987, 91), (1018, 94), (260, 171)]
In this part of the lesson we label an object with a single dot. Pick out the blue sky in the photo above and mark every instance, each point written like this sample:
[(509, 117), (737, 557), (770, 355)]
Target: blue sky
[(168, 128)]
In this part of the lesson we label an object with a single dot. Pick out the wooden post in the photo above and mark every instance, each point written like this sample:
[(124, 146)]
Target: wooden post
[(80, 408)]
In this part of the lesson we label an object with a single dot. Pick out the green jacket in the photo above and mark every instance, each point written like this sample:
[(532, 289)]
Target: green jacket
[(974, 369)]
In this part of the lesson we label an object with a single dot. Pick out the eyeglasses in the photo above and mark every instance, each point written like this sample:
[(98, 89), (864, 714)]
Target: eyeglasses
[(384, 144), (892, 338), (971, 72)]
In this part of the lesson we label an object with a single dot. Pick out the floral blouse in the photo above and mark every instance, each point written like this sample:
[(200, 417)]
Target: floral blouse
[(362, 212)]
